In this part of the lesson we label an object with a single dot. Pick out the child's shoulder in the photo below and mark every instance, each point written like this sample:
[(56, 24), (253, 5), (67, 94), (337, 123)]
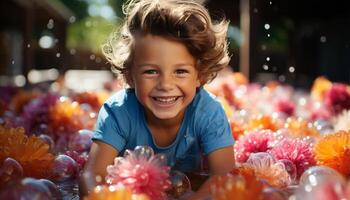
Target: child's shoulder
[(123, 99), (205, 100)]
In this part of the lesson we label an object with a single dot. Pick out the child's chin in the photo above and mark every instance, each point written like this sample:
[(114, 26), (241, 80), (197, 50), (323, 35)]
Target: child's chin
[(165, 116)]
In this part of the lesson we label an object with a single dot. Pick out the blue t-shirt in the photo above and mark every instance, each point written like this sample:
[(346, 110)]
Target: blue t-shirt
[(122, 124)]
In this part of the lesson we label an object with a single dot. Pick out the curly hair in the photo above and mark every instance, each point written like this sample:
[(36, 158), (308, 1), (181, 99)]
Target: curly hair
[(185, 21)]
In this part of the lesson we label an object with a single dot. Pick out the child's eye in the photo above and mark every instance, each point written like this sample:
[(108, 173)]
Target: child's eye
[(150, 71), (181, 71)]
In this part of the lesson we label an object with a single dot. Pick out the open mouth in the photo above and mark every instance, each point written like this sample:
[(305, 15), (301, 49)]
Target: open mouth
[(166, 100)]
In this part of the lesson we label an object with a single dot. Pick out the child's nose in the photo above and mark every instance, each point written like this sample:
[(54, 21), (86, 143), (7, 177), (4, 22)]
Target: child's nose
[(165, 82)]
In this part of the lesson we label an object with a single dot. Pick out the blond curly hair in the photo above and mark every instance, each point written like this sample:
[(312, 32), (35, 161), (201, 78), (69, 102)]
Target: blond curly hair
[(185, 21)]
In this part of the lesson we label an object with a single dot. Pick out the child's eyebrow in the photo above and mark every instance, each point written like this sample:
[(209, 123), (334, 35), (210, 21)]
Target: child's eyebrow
[(155, 65), (147, 65), (183, 64)]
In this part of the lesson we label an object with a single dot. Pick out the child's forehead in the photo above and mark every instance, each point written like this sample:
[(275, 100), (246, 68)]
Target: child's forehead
[(160, 48), (158, 43)]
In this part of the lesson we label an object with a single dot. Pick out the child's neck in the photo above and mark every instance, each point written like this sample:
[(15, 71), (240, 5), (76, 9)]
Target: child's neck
[(164, 132)]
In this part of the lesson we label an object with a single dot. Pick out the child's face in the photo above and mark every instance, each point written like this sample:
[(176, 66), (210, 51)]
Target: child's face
[(164, 77)]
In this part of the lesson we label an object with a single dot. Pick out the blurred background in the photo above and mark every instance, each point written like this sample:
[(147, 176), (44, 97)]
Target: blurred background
[(289, 41)]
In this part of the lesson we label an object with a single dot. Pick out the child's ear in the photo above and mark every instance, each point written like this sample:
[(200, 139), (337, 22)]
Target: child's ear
[(198, 82), (129, 80)]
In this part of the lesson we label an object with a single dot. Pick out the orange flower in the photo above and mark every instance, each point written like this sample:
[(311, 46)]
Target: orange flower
[(239, 78), (31, 152), (94, 99), (112, 193), (300, 127), (333, 151), (237, 129), (263, 122), (238, 187), (275, 175), (65, 117)]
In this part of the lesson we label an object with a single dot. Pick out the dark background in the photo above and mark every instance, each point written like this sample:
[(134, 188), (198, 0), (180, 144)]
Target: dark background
[(306, 39)]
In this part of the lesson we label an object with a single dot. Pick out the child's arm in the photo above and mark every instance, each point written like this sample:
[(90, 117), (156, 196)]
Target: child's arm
[(221, 161), (101, 155)]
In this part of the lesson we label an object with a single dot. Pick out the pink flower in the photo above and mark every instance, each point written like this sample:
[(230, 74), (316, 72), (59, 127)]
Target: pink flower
[(80, 159), (142, 172), (285, 106), (267, 168), (295, 150), (321, 112), (36, 112), (253, 142), (338, 98)]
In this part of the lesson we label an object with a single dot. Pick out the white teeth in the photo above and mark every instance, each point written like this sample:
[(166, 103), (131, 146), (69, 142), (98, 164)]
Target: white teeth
[(166, 100)]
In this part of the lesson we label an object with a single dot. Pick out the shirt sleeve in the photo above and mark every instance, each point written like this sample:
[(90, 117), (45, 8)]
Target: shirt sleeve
[(215, 131), (111, 127)]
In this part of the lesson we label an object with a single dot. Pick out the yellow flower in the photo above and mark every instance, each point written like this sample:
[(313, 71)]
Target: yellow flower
[(239, 187), (112, 193), (319, 88)]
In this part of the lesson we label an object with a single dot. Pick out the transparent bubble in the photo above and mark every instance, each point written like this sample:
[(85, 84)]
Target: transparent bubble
[(265, 67), (291, 69), (290, 191), (48, 140), (41, 129), (282, 78), (50, 24), (160, 159), (10, 170), (127, 153), (315, 175), (72, 51), (64, 168), (53, 188), (144, 152), (321, 183), (290, 168), (180, 185), (81, 141), (274, 194), (72, 19), (261, 159), (26, 189)]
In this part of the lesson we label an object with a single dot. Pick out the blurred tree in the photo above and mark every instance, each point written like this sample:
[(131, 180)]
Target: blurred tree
[(79, 7), (117, 6), (90, 33)]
